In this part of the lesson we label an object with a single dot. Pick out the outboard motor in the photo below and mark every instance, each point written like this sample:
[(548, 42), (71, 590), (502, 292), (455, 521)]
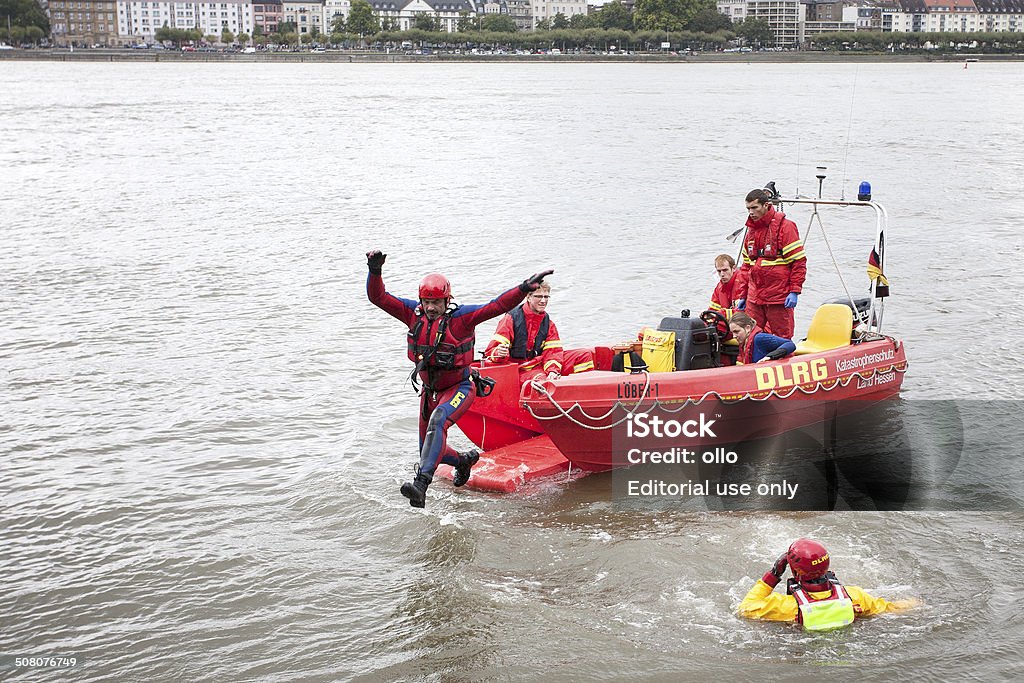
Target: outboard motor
[(693, 341), (860, 313)]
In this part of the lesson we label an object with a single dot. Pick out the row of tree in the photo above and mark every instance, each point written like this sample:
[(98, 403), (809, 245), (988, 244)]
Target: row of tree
[(875, 41), (180, 36), (698, 16)]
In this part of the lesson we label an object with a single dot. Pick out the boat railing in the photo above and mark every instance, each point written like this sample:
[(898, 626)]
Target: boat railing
[(877, 307)]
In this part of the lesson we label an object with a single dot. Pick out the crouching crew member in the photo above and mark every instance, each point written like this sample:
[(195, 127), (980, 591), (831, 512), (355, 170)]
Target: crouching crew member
[(756, 345), (441, 339), (723, 302), (815, 598), (528, 335)]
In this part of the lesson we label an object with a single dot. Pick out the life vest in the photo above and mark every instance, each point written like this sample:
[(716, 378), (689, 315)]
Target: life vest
[(518, 349), (746, 356), (824, 614), (771, 250), (432, 346)]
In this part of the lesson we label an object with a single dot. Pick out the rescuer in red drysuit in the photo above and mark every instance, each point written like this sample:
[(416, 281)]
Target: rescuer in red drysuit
[(441, 339), (774, 266)]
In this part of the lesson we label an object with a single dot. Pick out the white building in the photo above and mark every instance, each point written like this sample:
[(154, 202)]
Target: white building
[(334, 10), (215, 17), (141, 19), (734, 9), (547, 9), (794, 22), (446, 13), (786, 17)]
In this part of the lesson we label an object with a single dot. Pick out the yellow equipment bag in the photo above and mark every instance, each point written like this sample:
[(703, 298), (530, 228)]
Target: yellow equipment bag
[(659, 351)]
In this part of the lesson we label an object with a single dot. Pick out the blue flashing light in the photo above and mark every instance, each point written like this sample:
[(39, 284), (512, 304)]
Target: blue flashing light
[(864, 192)]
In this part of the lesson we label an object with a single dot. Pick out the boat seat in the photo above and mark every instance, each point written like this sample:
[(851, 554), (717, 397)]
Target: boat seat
[(830, 329)]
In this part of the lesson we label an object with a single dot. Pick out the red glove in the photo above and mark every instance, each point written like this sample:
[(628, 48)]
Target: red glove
[(774, 575)]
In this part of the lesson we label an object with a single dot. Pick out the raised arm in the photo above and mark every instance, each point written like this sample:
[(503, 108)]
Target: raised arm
[(402, 309)]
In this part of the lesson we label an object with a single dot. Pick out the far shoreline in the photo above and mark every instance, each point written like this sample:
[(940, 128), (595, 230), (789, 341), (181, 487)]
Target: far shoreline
[(356, 57)]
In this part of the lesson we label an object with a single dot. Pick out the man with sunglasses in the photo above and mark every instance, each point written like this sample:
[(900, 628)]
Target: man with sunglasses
[(527, 335)]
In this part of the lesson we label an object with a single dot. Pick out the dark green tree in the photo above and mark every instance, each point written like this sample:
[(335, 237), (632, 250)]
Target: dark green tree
[(543, 25), (362, 20), (23, 13), (615, 15), (287, 27), (709, 20), (667, 15), (578, 22), (755, 31), (499, 23), (559, 21), (425, 22)]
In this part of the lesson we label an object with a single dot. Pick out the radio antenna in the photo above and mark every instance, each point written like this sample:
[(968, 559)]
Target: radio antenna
[(796, 193), (849, 128)]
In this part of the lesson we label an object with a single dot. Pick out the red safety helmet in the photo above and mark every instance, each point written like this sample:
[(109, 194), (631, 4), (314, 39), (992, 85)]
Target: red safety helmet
[(808, 560), (435, 286)]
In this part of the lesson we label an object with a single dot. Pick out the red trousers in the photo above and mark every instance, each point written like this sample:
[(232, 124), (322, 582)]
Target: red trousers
[(773, 318)]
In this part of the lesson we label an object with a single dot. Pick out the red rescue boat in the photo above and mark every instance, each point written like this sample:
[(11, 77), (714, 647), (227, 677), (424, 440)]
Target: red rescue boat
[(579, 421)]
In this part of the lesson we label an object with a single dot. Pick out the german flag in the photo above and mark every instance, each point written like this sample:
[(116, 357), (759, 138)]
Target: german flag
[(875, 274)]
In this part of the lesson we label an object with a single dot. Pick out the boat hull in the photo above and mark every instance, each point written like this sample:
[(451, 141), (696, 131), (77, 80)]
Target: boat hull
[(594, 418)]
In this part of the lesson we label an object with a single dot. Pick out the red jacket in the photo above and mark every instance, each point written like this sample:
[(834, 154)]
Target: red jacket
[(724, 295), (551, 355), (774, 263), (461, 333)]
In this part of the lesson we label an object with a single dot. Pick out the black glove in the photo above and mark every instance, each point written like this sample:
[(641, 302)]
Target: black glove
[(780, 566), (776, 354), (374, 261), (533, 282)]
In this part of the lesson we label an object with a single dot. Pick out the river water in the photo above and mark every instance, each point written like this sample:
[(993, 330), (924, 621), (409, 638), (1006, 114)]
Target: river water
[(205, 423)]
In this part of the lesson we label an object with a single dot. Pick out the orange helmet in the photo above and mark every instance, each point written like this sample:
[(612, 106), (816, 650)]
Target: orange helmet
[(808, 560), (435, 286)]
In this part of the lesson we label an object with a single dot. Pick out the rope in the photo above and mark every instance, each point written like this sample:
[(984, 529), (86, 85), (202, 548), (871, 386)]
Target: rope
[(772, 393), (565, 413)]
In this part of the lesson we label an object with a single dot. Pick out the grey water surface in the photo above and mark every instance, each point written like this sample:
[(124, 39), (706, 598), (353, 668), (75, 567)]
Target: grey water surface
[(204, 423)]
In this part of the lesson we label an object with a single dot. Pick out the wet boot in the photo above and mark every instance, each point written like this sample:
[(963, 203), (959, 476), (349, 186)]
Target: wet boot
[(416, 491), (466, 462)]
